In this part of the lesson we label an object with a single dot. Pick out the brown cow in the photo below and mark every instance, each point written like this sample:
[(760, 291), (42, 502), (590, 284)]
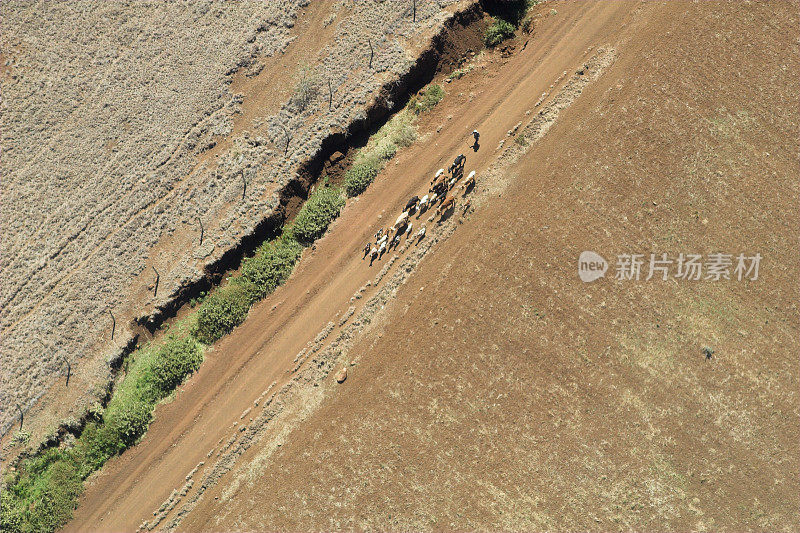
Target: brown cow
[(437, 182), (448, 203)]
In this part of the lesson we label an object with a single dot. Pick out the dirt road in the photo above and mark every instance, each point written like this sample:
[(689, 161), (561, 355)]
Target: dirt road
[(500, 392), (261, 351)]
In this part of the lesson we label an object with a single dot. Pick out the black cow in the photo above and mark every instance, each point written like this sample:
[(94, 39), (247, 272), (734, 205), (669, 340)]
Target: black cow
[(458, 163)]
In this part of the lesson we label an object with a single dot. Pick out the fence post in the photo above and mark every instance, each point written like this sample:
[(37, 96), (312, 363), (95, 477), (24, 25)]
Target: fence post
[(158, 277), (371, 52), (69, 369)]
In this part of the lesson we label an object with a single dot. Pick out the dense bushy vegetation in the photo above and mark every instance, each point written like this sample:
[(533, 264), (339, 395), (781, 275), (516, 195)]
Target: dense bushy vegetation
[(269, 267), (322, 206), (360, 175), (508, 16), (42, 493), (221, 312)]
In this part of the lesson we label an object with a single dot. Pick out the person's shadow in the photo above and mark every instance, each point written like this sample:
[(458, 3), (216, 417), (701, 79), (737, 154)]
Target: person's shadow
[(475, 146)]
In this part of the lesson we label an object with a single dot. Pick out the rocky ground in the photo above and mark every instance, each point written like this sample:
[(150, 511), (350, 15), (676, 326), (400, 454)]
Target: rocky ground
[(124, 125)]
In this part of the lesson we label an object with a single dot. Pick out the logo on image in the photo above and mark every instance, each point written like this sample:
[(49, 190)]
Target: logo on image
[(591, 266)]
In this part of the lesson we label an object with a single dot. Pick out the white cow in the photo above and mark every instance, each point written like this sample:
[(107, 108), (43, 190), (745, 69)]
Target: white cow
[(423, 204), (402, 219), (420, 234), (469, 182)]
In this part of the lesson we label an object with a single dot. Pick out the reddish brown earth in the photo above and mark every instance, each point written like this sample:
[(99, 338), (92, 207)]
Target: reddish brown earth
[(496, 390)]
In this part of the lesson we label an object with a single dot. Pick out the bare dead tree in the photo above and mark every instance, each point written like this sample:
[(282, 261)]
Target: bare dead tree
[(113, 324), (158, 277), (202, 231), (371, 52), (21, 416), (69, 369), (288, 139), (244, 183), (330, 95)]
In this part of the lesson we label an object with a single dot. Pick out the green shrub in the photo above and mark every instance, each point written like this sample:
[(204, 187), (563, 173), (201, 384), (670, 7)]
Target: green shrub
[(220, 313), (11, 512), (359, 176), (125, 421), (95, 446), (322, 206), (397, 133), (41, 495), (385, 150), (428, 100), (173, 361), (270, 266), (497, 32), (401, 130)]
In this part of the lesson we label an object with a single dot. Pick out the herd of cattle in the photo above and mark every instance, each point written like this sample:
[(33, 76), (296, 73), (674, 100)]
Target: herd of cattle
[(442, 184)]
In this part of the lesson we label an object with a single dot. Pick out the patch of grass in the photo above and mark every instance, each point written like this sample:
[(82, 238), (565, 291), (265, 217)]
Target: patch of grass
[(21, 437), (460, 72), (322, 206), (497, 32), (221, 312)]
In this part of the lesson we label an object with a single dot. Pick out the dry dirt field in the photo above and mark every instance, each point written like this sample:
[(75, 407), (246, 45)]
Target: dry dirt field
[(487, 386), (123, 125)]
